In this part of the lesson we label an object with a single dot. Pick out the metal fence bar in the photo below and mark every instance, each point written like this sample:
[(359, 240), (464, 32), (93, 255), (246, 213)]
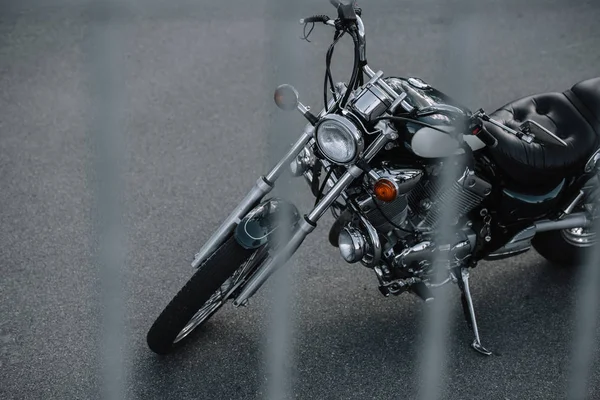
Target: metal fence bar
[(455, 75), (282, 34), (586, 322), (106, 131)]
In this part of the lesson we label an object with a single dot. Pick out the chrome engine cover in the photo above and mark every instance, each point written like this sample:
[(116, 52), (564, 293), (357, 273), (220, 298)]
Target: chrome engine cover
[(385, 216)]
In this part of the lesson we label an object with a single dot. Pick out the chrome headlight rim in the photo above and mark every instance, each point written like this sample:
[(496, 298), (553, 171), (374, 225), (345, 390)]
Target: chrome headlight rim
[(345, 125)]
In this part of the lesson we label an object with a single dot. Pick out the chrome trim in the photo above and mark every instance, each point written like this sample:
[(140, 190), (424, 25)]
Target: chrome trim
[(574, 203), (418, 83), (423, 251), (367, 70), (464, 277), (278, 260), (371, 102), (440, 284), (374, 79), (302, 162), (591, 163), (359, 142), (352, 244), (263, 186), (404, 178), (399, 100), (308, 224), (350, 175), (579, 236), (375, 244), (520, 243), (309, 133), (302, 108), (546, 131), (521, 135), (362, 39), (259, 190), (382, 83), (374, 175)]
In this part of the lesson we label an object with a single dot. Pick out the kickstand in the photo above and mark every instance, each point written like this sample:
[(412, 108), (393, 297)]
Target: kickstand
[(462, 279)]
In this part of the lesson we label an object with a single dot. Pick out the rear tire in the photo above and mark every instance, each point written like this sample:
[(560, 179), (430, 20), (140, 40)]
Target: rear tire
[(206, 282), (554, 247)]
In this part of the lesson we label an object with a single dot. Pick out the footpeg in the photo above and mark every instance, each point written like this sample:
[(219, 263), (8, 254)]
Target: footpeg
[(469, 310)]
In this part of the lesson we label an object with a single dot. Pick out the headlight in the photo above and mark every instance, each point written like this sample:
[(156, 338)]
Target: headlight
[(339, 139)]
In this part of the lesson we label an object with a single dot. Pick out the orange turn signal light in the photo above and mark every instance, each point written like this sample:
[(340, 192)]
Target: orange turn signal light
[(385, 190)]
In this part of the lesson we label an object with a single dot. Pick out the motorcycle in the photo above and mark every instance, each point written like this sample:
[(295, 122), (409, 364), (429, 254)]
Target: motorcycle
[(421, 189)]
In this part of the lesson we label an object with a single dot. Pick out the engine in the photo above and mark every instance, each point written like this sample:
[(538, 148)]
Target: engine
[(422, 196), (428, 199), (408, 224)]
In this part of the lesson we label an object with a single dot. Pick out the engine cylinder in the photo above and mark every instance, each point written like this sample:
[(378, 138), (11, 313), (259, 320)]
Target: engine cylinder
[(430, 196)]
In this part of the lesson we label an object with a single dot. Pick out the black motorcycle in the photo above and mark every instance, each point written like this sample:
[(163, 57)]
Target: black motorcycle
[(421, 188)]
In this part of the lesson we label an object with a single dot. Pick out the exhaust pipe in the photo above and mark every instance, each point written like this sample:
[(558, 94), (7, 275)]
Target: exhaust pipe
[(580, 219)]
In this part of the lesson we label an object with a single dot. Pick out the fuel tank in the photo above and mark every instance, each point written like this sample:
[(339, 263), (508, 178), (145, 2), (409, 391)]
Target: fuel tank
[(426, 142)]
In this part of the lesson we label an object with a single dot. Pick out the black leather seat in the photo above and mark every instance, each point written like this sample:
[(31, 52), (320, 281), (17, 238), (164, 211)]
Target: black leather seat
[(574, 116)]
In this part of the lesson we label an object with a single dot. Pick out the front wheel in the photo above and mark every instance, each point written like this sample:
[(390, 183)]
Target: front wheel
[(201, 297), (566, 247)]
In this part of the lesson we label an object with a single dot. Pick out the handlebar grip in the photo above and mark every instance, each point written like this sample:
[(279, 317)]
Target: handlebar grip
[(315, 18), (487, 138)]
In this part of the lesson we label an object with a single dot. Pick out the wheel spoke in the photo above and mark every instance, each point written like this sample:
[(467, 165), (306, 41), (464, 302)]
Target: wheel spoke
[(211, 305), (220, 296)]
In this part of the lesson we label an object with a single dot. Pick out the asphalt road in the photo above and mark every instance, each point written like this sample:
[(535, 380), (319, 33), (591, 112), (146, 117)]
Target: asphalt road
[(193, 85)]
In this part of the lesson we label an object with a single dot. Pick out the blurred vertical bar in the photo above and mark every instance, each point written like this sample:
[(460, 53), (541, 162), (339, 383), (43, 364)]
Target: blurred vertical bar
[(455, 79), (282, 66), (586, 321), (106, 130)]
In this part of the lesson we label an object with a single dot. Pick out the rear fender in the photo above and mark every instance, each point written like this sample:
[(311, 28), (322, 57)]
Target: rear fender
[(265, 221)]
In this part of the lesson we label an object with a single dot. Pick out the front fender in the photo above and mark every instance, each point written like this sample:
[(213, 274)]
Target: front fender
[(261, 223)]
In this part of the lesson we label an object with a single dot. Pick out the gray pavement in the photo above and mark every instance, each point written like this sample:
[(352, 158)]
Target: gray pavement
[(197, 85)]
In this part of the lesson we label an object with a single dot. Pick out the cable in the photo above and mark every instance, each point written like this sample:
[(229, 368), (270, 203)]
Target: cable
[(306, 35), (415, 121), (328, 78), (322, 188), (355, 68)]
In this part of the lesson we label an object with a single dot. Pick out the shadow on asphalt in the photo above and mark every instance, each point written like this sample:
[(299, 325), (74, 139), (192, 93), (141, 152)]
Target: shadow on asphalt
[(371, 352)]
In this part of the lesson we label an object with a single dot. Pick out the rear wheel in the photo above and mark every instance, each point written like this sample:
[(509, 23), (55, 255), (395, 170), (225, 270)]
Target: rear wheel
[(206, 291), (566, 247)]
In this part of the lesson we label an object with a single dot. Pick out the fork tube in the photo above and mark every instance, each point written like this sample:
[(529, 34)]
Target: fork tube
[(308, 224), (263, 186)]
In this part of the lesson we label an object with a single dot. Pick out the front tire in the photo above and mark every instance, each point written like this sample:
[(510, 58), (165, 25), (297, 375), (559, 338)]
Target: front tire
[(565, 248), (199, 299)]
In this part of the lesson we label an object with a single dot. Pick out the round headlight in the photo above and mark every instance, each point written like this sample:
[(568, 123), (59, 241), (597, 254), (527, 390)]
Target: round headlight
[(339, 139)]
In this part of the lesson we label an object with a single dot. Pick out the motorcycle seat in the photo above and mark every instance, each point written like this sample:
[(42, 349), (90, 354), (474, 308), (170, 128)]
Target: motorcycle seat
[(573, 115)]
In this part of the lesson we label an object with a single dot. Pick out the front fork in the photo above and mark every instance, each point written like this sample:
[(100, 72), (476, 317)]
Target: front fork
[(306, 225), (309, 222), (263, 185)]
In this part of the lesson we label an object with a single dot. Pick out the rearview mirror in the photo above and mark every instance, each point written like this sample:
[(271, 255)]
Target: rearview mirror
[(286, 97)]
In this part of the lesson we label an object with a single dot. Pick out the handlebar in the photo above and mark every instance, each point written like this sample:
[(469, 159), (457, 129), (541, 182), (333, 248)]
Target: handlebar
[(316, 18)]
